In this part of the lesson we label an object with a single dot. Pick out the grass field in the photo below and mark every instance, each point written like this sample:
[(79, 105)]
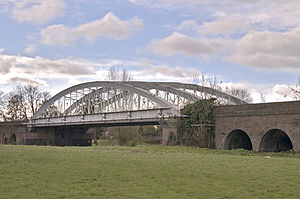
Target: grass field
[(145, 172)]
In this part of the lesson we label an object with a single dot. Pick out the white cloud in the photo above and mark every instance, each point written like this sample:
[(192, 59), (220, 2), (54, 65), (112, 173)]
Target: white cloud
[(167, 71), (282, 90), (278, 92), (25, 80), (73, 81), (41, 71), (109, 26), (36, 11), (1, 50), (188, 25), (178, 43), (262, 92), (279, 14), (21, 68), (6, 63), (168, 3), (224, 25), (262, 14), (269, 50), (64, 66), (58, 35), (147, 70), (31, 48)]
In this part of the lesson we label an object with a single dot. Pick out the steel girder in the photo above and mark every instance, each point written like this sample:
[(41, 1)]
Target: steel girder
[(208, 90), (140, 89), (92, 96)]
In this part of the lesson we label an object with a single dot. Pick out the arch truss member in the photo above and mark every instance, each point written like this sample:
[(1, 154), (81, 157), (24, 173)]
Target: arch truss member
[(108, 97)]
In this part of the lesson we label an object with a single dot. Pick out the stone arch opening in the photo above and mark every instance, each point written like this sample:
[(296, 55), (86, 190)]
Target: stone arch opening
[(275, 140), (238, 139), (5, 139), (13, 139)]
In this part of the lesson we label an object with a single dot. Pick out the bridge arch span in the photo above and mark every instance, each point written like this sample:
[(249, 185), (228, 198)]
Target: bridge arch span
[(105, 86), (275, 140), (238, 139), (114, 96)]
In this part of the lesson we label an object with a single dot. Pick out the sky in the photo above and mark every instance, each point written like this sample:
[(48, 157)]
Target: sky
[(252, 44)]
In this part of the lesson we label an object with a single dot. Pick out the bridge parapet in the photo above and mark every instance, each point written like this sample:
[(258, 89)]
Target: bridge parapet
[(275, 108)]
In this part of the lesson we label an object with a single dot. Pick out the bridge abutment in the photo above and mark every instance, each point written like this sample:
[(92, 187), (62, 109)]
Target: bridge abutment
[(169, 133)]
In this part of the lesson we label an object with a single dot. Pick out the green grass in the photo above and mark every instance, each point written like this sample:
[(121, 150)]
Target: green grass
[(146, 172)]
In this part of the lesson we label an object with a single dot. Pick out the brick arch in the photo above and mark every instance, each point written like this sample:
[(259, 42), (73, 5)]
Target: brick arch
[(5, 138), (237, 139), (276, 140), (13, 139)]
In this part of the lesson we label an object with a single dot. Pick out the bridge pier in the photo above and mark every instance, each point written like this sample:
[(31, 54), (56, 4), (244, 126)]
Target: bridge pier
[(169, 128)]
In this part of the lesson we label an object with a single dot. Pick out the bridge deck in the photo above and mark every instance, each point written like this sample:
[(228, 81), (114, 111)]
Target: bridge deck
[(114, 118)]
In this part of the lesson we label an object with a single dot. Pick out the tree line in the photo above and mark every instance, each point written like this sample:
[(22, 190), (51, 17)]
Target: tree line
[(21, 103)]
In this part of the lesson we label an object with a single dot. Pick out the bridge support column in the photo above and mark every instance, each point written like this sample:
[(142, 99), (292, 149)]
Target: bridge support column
[(169, 133)]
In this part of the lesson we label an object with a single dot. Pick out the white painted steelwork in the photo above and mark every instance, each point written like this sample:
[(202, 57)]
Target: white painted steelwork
[(115, 102)]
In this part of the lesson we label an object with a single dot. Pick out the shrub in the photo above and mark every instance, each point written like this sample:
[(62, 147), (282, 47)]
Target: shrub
[(198, 128)]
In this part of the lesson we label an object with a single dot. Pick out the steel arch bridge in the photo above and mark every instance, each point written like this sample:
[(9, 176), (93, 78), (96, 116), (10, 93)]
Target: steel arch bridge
[(109, 102)]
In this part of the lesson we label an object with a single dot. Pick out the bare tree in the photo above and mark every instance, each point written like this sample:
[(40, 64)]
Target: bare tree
[(115, 75), (16, 108), (2, 98), (125, 75), (295, 91), (240, 93), (32, 95), (22, 102), (196, 78), (212, 82), (262, 97), (206, 81), (2, 106), (44, 96)]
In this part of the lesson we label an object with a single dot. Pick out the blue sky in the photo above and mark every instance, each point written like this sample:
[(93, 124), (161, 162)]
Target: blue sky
[(254, 44)]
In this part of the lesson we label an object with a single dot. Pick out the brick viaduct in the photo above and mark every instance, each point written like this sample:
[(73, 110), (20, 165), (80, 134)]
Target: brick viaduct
[(259, 127)]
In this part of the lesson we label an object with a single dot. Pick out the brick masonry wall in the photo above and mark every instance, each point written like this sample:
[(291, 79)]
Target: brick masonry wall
[(256, 120), (9, 129)]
